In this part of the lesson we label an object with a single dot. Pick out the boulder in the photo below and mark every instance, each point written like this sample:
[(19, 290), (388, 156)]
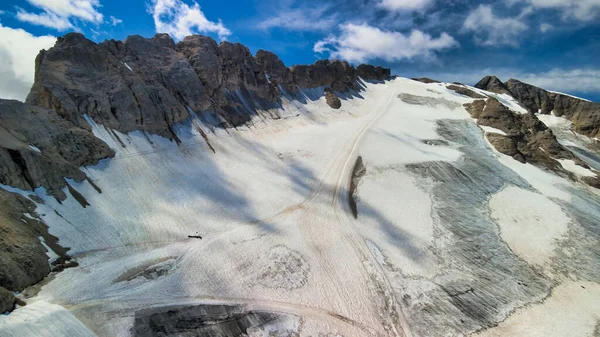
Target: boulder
[(7, 301), (332, 100)]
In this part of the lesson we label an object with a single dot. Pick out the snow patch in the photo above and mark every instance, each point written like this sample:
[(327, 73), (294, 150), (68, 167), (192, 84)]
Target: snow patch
[(529, 222), (42, 319), (128, 67), (35, 148), (489, 129), (52, 256), (579, 171)]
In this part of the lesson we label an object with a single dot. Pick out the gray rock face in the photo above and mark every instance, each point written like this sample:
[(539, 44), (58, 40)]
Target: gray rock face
[(584, 115), (7, 300), (148, 84), (372, 73), (275, 70), (63, 148), (23, 260), (339, 75), (493, 84), (332, 100)]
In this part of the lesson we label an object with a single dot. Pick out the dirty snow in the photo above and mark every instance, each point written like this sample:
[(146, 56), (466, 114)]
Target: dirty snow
[(489, 129), (573, 310), (530, 223)]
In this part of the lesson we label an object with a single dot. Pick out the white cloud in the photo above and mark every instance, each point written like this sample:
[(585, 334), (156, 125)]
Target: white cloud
[(405, 5), (179, 20), (358, 43), (300, 19), (18, 50), (60, 14), (545, 27), (114, 21), (492, 30), (584, 10)]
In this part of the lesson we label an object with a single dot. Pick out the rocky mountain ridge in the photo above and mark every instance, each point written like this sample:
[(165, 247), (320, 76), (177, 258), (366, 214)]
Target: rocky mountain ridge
[(584, 114)]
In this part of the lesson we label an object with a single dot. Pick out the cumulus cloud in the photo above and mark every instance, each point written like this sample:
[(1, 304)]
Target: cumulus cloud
[(405, 5), (114, 21), (60, 14), (584, 10), (179, 20), (300, 19), (492, 30), (359, 43), (18, 50)]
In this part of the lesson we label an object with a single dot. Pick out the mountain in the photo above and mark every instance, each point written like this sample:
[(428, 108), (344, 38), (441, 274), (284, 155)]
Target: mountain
[(193, 188)]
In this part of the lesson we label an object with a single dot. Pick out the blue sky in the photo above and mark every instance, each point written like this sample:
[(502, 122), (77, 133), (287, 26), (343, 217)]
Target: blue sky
[(551, 43)]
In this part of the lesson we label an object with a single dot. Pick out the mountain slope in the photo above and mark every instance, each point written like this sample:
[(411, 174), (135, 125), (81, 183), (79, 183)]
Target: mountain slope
[(182, 227)]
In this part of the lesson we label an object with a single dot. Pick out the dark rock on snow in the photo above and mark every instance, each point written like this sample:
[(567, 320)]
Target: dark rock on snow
[(584, 115), (7, 300), (332, 100), (527, 139)]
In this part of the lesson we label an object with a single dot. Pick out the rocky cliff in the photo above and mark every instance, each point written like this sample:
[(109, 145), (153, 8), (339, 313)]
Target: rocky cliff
[(149, 84), (585, 115), (146, 84)]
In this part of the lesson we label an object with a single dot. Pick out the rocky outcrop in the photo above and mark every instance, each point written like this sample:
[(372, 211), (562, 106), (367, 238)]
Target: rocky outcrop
[(527, 139), (149, 83), (462, 90), (425, 80), (7, 300), (276, 72), (332, 100), (339, 75), (585, 115), (493, 84), (371, 73), (38, 148)]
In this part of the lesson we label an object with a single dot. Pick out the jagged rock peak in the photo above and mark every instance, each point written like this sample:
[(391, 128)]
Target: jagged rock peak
[(493, 84), (150, 84), (584, 114)]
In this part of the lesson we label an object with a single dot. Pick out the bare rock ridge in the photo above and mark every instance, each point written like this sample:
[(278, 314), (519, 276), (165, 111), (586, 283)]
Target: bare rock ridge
[(149, 83), (527, 139), (585, 115), (146, 84)]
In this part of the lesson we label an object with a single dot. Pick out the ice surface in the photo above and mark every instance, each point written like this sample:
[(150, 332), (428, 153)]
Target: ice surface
[(42, 319)]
